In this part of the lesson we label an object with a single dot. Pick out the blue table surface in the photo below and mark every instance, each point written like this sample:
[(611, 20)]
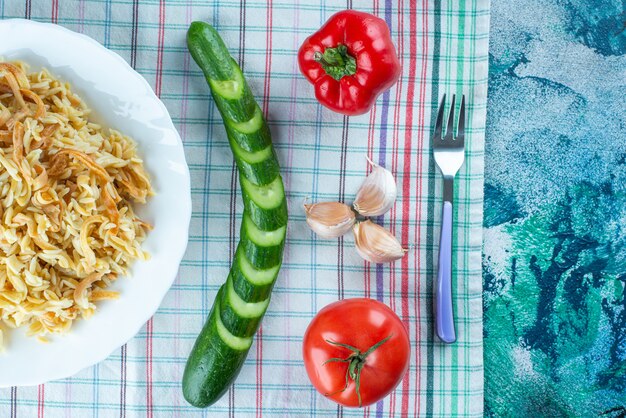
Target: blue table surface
[(554, 257)]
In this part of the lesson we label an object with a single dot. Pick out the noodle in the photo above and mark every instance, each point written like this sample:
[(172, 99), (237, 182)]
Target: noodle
[(67, 227)]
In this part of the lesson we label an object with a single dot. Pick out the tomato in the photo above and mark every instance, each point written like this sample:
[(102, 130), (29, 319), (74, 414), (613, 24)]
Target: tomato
[(358, 342)]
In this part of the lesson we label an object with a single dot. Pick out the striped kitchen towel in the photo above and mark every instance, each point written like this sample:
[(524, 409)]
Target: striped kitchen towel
[(443, 49)]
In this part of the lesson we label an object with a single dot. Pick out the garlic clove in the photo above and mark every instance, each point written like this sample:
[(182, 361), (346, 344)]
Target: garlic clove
[(375, 244), (329, 219), (377, 193)]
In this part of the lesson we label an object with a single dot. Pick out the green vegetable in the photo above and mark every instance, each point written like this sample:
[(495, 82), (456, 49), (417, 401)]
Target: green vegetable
[(240, 318), (248, 291), (251, 283), (261, 248), (223, 344), (252, 135), (265, 204), (216, 359), (260, 167)]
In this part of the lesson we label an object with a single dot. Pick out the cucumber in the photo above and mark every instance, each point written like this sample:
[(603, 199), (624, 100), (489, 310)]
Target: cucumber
[(229, 88), (252, 135), (265, 204), (223, 344), (250, 283), (209, 376), (261, 167), (262, 248), (239, 317), (233, 97)]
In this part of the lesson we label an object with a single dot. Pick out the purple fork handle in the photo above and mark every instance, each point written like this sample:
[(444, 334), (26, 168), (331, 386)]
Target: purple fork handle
[(444, 317)]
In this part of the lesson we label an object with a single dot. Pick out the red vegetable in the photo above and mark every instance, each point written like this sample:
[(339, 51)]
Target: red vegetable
[(350, 60), (356, 351)]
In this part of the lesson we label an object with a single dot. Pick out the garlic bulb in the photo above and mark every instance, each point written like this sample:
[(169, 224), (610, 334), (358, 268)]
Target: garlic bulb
[(374, 243), (329, 219), (377, 193)]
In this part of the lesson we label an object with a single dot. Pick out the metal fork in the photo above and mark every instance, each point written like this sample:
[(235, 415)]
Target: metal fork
[(449, 154)]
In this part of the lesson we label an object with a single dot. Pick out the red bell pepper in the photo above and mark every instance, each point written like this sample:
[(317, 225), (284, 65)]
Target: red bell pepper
[(350, 61)]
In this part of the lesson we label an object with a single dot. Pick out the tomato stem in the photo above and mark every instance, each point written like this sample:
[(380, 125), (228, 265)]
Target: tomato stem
[(356, 362)]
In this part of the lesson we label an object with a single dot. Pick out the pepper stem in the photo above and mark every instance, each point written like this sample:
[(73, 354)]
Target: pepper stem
[(337, 62), (356, 362)]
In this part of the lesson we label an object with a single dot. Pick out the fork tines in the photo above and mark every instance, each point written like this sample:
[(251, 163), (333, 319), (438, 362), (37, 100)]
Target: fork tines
[(449, 140)]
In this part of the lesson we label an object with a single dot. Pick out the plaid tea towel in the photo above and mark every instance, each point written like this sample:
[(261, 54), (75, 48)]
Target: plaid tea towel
[(443, 49)]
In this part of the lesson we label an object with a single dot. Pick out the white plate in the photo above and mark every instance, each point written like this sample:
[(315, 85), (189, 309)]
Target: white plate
[(120, 99)]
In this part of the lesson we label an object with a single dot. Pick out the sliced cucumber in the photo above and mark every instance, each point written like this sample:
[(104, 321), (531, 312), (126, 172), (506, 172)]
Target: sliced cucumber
[(222, 346), (229, 88), (233, 96), (263, 249), (265, 204), (262, 238), (260, 167), (248, 291), (232, 340), (268, 197), (217, 360), (250, 283), (239, 317), (252, 135)]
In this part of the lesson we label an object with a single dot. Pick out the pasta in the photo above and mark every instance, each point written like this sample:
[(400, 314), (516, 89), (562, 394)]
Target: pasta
[(67, 227)]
